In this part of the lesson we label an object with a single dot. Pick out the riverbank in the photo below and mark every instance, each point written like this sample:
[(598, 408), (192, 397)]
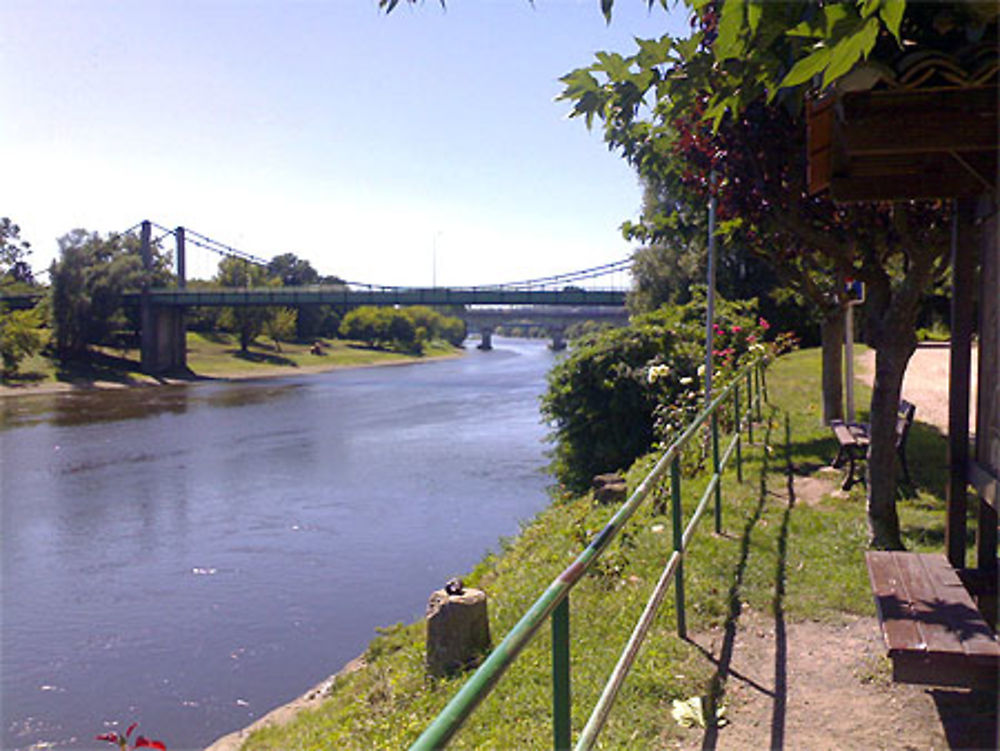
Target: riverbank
[(211, 357), (784, 584)]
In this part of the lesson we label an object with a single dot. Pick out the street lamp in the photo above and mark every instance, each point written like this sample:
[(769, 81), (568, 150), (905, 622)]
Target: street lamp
[(434, 253)]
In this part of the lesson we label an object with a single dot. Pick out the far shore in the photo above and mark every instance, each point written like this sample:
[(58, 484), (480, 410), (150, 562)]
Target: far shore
[(254, 372), (128, 378)]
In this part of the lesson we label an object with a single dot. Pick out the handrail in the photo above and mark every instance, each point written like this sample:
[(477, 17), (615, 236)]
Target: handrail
[(554, 601)]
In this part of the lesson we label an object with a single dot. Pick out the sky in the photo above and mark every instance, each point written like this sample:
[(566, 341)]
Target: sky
[(415, 148)]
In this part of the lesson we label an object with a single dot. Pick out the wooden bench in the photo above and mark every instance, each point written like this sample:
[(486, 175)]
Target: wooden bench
[(934, 632), (854, 437)]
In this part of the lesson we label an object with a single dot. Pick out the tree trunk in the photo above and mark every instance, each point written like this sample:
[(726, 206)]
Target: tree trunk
[(891, 359), (832, 333)]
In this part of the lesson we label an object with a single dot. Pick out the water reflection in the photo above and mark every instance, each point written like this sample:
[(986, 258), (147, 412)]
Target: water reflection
[(109, 405)]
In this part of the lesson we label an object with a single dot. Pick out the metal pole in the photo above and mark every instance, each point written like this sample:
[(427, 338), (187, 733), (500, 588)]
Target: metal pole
[(716, 472), (561, 731), (849, 359), (675, 512), (750, 406), (738, 424), (710, 313)]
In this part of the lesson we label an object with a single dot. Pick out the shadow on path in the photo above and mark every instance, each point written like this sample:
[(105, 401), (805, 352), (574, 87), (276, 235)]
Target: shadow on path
[(723, 663)]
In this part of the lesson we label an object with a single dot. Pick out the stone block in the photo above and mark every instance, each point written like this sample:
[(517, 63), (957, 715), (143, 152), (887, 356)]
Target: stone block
[(458, 629)]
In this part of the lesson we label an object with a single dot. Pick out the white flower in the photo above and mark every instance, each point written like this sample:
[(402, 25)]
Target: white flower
[(657, 372), (687, 381), (701, 371)]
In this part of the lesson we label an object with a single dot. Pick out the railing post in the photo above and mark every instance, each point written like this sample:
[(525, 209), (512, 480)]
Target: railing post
[(561, 730), (675, 512), (756, 380), (737, 422), (716, 471), (750, 405)]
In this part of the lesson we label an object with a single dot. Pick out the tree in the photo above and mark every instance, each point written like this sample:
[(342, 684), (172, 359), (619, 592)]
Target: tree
[(715, 104), (20, 337), (14, 267), (87, 284), (281, 326), (312, 320), (246, 321)]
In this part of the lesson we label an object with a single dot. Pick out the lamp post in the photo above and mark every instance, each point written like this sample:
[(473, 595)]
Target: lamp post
[(710, 313), (434, 253)]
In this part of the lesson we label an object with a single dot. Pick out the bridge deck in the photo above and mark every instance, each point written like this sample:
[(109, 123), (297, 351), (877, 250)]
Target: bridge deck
[(385, 296)]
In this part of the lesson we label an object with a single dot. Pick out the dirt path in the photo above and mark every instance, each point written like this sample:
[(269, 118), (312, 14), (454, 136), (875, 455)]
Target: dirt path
[(821, 686), (926, 382)]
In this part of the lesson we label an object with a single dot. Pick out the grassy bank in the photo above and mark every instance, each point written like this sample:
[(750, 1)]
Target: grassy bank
[(210, 355), (794, 557)]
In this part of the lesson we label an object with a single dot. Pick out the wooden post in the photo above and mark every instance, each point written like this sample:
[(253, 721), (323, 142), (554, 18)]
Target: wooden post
[(963, 263)]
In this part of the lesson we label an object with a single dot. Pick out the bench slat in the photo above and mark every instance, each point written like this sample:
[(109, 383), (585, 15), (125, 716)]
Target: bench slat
[(899, 630), (970, 629), (933, 631)]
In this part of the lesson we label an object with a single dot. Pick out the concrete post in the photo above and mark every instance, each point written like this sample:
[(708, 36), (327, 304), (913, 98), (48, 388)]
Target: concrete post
[(558, 340)]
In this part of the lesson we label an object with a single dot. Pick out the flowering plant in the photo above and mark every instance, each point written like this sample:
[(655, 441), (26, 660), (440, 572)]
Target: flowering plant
[(122, 741)]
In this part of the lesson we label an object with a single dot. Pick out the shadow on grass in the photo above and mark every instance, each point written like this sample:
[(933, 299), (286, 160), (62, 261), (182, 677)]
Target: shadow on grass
[(216, 337), (19, 380), (99, 366), (263, 357)]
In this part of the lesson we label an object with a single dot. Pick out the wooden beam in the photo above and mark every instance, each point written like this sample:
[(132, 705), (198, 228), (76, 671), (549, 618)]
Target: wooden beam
[(919, 121), (963, 263)]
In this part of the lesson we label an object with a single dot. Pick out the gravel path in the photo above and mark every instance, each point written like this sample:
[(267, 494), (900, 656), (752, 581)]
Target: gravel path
[(926, 382)]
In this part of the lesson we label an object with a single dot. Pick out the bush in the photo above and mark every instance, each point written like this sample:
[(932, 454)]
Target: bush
[(619, 391)]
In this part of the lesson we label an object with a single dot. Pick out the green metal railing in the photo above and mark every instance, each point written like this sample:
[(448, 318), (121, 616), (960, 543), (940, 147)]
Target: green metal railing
[(554, 601)]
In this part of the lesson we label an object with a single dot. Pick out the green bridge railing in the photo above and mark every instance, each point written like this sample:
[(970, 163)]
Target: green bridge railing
[(554, 601)]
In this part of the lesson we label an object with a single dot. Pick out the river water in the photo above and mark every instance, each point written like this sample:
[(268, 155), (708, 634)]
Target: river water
[(190, 557)]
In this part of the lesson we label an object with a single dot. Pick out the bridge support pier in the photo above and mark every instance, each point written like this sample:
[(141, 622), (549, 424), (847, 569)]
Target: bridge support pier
[(164, 339), (487, 338)]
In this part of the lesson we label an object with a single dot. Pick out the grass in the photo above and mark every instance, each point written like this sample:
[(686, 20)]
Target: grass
[(791, 561), (211, 355)]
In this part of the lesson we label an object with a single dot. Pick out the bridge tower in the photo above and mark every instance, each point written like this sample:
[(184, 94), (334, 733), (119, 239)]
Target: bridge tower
[(164, 333)]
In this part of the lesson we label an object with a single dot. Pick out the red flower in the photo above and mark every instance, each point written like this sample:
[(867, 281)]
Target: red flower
[(764, 324), (122, 740)]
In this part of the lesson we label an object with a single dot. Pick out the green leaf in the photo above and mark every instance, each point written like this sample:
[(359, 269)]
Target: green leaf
[(613, 64), (578, 83), (728, 42), (892, 15), (606, 6), (806, 29), (654, 51), (806, 68), (755, 10), (836, 14), (869, 7), (850, 49)]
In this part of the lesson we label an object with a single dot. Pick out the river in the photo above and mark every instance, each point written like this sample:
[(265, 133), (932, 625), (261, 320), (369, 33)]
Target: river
[(190, 557)]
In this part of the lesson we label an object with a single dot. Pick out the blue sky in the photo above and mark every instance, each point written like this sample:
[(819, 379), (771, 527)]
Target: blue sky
[(384, 149)]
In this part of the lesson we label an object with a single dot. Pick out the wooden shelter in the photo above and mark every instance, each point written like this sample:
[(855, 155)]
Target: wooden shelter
[(932, 132)]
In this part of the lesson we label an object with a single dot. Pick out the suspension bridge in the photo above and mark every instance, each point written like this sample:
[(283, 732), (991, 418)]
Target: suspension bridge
[(563, 297)]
